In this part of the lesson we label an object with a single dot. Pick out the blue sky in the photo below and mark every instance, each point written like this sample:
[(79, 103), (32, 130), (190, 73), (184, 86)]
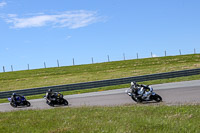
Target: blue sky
[(37, 31)]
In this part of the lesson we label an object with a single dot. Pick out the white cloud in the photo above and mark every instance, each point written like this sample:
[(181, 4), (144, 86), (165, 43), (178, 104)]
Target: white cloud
[(2, 4), (69, 19), (12, 15), (68, 37)]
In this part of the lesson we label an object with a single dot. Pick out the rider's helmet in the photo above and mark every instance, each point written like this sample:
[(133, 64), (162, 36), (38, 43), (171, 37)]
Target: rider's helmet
[(132, 83), (14, 94), (49, 90)]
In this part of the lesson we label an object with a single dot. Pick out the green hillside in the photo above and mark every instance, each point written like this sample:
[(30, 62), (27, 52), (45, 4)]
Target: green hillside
[(91, 72)]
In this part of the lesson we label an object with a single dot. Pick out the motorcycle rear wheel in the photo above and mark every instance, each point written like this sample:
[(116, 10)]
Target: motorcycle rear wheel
[(65, 102), (157, 98), (28, 104)]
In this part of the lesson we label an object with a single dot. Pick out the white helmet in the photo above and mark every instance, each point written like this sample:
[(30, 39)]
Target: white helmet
[(132, 83)]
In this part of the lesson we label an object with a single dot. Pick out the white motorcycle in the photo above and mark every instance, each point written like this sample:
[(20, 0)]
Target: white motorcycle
[(140, 93)]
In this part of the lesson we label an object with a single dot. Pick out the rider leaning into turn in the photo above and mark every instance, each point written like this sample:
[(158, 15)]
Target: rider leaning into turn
[(13, 97), (146, 89), (134, 86), (49, 94)]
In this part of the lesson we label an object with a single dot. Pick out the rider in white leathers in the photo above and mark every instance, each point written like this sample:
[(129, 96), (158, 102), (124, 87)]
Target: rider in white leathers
[(143, 91), (147, 91)]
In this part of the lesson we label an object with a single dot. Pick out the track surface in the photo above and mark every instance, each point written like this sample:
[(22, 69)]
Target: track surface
[(172, 93)]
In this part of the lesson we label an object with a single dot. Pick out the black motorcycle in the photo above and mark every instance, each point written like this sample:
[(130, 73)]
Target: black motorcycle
[(56, 99), (137, 94), (19, 101)]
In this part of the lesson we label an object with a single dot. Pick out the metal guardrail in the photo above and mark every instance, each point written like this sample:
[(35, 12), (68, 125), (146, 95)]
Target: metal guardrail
[(102, 83)]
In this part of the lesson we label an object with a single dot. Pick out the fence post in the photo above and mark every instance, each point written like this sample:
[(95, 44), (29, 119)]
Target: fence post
[(45, 65), (28, 66), (180, 51), (194, 51), (3, 69), (12, 68), (151, 54), (92, 60), (124, 56), (58, 63), (108, 58), (137, 55), (73, 62)]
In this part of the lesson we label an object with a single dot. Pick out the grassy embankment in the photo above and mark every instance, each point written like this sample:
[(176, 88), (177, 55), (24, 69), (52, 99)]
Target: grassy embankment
[(100, 71), (120, 119), (129, 118)]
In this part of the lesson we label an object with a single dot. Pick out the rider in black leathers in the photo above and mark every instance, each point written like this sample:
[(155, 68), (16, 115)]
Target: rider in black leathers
[(49, 95), (13, 97)]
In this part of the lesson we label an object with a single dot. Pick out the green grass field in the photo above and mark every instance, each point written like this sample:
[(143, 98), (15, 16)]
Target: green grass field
[(114, 87), (137, 118), (92, 72), (83, 73), (119, 119)]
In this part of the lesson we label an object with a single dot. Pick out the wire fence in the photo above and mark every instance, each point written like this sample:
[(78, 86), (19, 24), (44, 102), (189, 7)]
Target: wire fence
[(108, 59)]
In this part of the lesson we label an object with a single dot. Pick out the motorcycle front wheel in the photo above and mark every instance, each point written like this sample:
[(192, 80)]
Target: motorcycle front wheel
[(136, 99), (51, 104), (13, 105)]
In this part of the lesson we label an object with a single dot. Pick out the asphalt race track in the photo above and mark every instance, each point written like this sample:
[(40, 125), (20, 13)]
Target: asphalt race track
[(186, 92)]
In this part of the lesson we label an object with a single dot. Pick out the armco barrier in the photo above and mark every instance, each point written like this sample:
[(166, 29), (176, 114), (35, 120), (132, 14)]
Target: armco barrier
[(102, 83)]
